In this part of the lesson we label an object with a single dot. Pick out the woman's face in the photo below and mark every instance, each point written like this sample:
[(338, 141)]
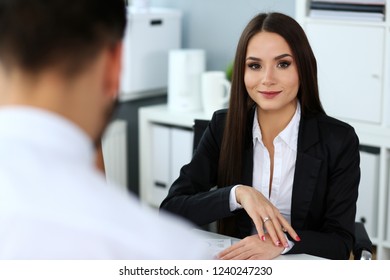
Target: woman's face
[(271, 75)]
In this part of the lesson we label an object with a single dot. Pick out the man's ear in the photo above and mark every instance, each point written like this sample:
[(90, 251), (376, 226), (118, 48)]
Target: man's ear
[(113, 70)]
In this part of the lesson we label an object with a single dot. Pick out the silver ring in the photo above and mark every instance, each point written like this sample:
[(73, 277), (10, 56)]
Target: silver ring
[(266, 219)]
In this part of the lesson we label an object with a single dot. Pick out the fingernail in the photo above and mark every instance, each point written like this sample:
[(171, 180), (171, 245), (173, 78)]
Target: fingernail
[(297, 238), (277, 243), (286, 245), (263, 237)]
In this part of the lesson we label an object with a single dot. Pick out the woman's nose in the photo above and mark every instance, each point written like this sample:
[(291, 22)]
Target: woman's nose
[(268, 77)]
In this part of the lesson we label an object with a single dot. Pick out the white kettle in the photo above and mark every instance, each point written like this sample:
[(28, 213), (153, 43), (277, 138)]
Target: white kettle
[(185, 67)]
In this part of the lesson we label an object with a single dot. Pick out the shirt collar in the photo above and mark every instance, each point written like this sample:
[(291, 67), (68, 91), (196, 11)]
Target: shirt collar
[(256, 132), (42, 128), (289, 135)]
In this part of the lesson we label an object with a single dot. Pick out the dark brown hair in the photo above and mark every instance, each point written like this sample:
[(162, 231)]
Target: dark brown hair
[(236, 135), (35, 35)]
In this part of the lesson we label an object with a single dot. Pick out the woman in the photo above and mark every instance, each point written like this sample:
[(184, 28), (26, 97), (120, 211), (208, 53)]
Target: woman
[(287, 175)]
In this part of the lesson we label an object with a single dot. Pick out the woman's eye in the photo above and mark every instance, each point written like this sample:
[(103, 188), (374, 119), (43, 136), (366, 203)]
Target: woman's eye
[(254, 66), (284, 64)]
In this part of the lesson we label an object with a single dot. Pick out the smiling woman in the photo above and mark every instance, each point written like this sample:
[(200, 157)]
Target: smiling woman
[(271, 77), (287, 174)]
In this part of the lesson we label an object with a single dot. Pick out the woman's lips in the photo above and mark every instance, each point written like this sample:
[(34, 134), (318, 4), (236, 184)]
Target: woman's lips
[(270, 94)]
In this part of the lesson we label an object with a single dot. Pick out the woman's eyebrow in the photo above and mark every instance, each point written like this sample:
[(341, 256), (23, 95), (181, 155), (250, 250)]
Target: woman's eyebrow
[(282, 56), (276, 58)]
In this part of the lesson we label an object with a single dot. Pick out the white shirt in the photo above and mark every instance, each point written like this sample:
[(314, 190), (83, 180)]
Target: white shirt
[(54, 203), (285, 154)]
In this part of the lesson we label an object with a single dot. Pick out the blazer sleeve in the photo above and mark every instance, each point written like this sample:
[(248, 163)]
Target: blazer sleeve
[(192, 195), (328, 228)]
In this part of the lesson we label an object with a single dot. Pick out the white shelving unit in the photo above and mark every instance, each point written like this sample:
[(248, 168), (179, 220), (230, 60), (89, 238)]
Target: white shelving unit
[(152, 120), (354, 79)]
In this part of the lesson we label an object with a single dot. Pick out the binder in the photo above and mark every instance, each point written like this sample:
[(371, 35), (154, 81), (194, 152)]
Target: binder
[(337, 6)]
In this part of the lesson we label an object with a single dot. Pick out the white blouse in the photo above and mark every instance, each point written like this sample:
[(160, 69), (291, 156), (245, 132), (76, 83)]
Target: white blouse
[(285, 154)]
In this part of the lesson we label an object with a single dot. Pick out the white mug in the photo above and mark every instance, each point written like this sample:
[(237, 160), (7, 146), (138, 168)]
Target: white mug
[(215, 90)]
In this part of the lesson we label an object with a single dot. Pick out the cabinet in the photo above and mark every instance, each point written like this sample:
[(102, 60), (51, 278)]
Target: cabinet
[(114, 149), (148, 39), (171, 148), (165, 141), (354, 83), (360, 68)]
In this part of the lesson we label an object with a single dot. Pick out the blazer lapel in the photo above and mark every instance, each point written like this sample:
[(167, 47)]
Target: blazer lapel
[(247, 172), (306, 172)]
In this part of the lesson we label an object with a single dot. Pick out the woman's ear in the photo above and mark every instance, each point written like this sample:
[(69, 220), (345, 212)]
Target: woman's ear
[(113, 70)]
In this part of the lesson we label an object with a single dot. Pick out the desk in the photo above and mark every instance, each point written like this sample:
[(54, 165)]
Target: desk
[(211, 235)]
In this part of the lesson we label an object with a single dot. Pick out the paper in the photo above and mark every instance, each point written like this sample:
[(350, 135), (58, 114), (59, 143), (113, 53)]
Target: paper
[(214, 246)]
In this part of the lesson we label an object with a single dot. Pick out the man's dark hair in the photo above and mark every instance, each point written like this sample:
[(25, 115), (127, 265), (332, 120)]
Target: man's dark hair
[(66, 34)]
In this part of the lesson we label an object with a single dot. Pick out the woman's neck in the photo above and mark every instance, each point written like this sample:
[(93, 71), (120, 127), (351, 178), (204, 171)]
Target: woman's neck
[(272, 122)]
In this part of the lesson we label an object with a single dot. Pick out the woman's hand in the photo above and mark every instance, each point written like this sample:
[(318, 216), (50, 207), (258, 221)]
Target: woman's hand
[(251, 248), (265, 215)]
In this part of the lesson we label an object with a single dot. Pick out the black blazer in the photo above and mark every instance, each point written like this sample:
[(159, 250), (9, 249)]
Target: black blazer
[(325, 187)]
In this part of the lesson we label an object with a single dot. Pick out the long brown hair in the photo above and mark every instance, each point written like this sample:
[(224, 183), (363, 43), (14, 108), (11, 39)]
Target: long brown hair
[(236, 133)]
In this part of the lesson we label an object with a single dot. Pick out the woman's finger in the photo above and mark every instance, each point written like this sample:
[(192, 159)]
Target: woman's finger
[(259, 225), (269, 224)]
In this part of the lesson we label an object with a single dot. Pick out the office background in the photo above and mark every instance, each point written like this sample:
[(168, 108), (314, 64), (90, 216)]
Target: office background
[(215, 26)]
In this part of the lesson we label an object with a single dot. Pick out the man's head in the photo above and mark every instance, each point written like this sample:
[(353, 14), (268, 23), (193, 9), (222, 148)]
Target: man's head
[(67, 34), (63, 56)]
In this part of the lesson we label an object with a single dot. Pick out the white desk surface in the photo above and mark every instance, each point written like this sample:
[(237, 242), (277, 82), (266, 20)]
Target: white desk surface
[(211, 235)]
